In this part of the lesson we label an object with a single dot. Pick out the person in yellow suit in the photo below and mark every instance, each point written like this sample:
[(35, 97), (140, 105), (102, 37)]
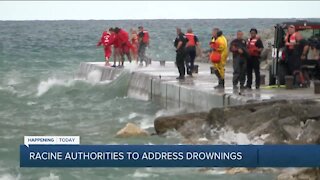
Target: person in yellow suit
[(219, 45)]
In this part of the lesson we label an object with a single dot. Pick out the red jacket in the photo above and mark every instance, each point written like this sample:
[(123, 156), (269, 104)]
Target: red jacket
[(112, 40), (123, 37), (105, 39), (116, 42)]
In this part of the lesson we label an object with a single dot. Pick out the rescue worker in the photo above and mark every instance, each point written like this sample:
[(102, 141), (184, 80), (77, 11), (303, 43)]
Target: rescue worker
[(143, 38), (180, 44), (255, 47), (219, 45), (191, 50), (135, 45), (238, 47), (290, 39), (116, 47), (292, 61), (125, 45), (105, 40), (300, 53)]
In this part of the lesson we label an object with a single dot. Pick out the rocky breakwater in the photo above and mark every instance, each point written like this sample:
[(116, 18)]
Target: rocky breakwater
[(270, 122)]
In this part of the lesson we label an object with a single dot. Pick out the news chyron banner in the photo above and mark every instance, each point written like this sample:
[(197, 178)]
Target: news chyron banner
[(66, 151)]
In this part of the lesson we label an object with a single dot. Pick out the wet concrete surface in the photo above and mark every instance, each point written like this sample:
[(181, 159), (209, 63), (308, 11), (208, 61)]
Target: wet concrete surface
[(203, 82)]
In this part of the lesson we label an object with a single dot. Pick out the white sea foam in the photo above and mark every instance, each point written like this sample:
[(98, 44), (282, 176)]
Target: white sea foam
[(30, 103), (9, 177), (94, 76), (44, 86), (50, 177), (132, 115), (122, 119), (140, 174), (173, 134), (228, 136), (165, 112), (146, 123)]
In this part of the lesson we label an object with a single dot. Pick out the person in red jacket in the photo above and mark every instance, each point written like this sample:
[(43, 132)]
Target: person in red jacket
[(116, 47), (105, 41), (124, 44)]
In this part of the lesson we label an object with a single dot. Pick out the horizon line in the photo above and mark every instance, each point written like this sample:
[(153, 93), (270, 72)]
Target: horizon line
[(156, 19)]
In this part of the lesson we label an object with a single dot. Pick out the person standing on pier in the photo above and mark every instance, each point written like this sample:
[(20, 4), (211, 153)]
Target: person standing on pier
[(218, 55), (116, 47), (301, 49), (255, 47), (125, 45), (191, 50), (239, 54), (180, 44), (143, 39), (135, 45), (105, 40)]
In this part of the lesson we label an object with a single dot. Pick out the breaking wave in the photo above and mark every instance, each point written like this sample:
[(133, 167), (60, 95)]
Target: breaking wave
[(93, 78), (45, 86)]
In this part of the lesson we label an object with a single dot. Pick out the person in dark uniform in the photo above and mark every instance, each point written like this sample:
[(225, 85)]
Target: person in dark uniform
[(143, 39), (180, 44), (255, 47), (240, 54)]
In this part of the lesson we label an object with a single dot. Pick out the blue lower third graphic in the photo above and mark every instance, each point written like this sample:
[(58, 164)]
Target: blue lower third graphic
[(170, 156)]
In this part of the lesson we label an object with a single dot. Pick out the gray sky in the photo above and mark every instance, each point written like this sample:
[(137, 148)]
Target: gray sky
[(83, 10)]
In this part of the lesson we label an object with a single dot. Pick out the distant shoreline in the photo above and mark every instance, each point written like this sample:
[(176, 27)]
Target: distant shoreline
[(219, 19)]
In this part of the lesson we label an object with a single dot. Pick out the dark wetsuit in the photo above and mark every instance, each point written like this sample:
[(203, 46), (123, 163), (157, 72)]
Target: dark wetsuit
[(142, 48), (239, 61), (191, 56), (181, 53)]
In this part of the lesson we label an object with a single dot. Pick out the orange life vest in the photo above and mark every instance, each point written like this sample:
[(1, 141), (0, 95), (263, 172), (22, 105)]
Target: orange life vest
[(252, 48), (291, 40), (191, 41)]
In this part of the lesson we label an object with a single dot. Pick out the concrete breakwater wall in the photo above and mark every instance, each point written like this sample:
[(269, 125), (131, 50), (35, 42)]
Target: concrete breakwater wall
[(144, 84)]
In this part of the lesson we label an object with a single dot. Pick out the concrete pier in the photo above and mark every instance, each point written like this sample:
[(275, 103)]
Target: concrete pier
[(158, 83)]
